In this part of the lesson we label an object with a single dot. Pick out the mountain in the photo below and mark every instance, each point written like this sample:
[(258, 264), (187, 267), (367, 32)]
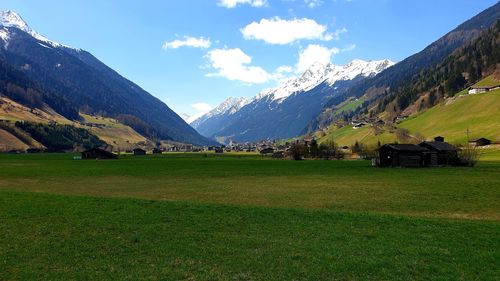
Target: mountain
[(218, 117), (394, 82), (285, 111), (72, 81), (450, 118)]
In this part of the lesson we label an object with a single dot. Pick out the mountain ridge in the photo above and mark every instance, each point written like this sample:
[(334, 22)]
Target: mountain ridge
[(288, 105), (87, 84)]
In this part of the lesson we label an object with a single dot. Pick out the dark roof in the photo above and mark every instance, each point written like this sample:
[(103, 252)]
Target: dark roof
[(100, 151), (438, 145), (405, 147), (480, 139), (139, 149)]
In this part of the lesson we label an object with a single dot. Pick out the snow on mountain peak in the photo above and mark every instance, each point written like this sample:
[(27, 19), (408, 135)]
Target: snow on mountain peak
[(230, 106), (318, 73), (12, 19)]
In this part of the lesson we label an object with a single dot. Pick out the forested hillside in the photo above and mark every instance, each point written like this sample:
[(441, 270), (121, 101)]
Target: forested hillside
[(400, 84)]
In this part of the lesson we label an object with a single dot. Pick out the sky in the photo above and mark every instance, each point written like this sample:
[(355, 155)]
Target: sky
[(193, 54)]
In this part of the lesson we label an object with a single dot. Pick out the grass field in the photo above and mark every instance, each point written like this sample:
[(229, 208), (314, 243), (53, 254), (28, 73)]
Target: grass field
[(480, 113), (241, 217)]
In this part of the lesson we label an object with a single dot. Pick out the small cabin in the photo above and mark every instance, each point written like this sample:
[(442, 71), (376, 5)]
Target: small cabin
[(446, 153), (33, 150), (139, 152), (480, 142), (157, 151), (404, 155), (98, 153), (268, 150), (482, 89)]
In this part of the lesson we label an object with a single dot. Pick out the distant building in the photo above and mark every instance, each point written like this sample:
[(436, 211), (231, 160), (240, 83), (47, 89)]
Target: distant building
[(219, 150), (157, 151), (268, 150), (482, 89), (139, 152), (480, 142), (404, 155), (33, 150), (358, 125), (98, 153)]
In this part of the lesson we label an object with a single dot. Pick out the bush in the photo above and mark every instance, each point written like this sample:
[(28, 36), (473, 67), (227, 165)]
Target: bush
[(298, 151)]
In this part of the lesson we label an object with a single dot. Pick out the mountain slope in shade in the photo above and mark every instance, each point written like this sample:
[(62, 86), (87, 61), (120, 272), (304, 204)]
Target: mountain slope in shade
[(285, 111), (86, 84)]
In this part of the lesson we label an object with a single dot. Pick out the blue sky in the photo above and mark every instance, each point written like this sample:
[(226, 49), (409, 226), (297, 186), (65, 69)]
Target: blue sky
[(193, 54)]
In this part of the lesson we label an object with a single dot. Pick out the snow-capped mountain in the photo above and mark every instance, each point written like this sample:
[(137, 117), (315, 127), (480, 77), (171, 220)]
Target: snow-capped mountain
[(229, 106), (12, 19), (219, 116), (329, 73), (286, 110)]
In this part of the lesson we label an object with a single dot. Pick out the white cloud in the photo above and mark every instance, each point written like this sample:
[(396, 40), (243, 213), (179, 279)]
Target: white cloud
[(281, 32), (349, 47), (234, 3), (201, 109), (314, 53), (338, 32), (201, 106), (313, 3), (233, 64), (188, 41), (284, 69)]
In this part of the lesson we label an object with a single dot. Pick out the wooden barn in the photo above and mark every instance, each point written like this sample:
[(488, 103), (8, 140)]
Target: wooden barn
[(266, 151), (98, 153), (446, 153), (404, 155), (480, 142), (139, 152)]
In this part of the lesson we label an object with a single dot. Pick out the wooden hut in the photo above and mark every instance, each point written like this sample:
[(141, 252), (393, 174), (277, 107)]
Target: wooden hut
[(266, 151), (403, 155), (480, 142), (98, 153), (139, 152), (446, 153)]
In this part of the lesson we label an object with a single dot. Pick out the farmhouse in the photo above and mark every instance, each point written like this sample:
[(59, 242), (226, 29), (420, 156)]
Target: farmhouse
[(268, 150), (358, 125), (98, 153), (404, 155), (482, 89), (139, 151), (446, 153), (480, 142)]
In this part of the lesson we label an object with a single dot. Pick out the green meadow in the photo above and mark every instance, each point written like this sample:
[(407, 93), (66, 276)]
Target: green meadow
[(244, 217)]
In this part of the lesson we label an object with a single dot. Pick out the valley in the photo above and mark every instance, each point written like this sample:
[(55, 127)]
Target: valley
[(355, 140)]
